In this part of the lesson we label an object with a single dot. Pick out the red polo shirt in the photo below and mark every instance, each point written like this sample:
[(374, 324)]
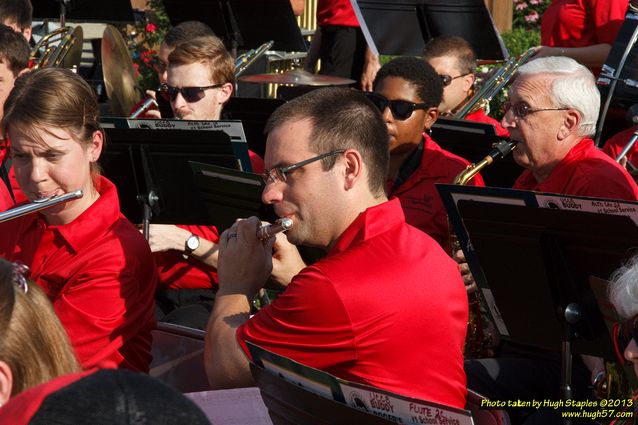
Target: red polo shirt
[(585, 171), (99, 274), (419, 198), (176, 272), (386, 307), (581, 23), (6, 201), (336, 12), (615, 145), (480, 116)]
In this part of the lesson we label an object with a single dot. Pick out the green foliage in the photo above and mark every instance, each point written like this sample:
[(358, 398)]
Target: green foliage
[(519, 40), (146, 36)]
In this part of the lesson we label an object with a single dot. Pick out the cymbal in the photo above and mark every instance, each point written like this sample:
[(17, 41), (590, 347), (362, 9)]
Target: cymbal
[(119, 73), (297, 77)]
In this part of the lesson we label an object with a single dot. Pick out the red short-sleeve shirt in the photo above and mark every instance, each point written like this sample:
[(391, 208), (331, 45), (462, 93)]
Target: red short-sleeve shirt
[(336, 12), (99, 274), (585, 171), (419, 198), (386, 307), (615, 145)]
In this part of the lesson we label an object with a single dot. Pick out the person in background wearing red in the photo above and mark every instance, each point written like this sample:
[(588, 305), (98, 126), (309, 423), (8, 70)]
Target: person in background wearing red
[(408, 92), (583, 30), (454, 60), (14, 60), (91, 262), (383, 286)]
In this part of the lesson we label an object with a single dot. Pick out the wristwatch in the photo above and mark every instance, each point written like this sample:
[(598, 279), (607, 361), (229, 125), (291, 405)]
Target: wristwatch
[(192, 243)]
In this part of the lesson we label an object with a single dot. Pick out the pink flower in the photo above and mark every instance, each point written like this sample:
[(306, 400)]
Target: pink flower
[(532, 17), (535, 2), (521, 6), (150, 27)]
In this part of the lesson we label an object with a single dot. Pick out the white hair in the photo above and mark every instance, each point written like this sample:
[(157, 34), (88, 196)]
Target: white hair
[(623, 289), (573, 86)]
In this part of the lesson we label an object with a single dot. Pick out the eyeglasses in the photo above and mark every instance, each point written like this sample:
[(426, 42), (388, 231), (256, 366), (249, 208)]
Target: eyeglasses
[(279, 173), (400, 109), (623, 333), (522, 109), (447, 80), (190, 94)]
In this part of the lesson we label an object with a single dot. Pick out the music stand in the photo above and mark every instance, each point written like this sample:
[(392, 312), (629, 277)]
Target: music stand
[(158, 163), (253, 113), (537, 263), (392, 27), (472, 141), (112, 11), (211, 12), (229, 194)]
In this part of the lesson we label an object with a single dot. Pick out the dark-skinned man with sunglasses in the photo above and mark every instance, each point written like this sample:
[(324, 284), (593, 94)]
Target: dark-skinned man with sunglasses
[(385, 307), (455, 61), (553, 108), (407, 91), (201, 75)]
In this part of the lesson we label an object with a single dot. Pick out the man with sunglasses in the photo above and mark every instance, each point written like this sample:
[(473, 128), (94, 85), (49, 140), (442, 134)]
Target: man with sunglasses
[(385, 307), (408, 91), (553, 107), (455, 61)]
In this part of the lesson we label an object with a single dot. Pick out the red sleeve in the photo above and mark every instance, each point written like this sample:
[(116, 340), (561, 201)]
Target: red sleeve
[(108, 308), (296, 324), (609, 16), (6, 201), (618, 141), (256, 163)]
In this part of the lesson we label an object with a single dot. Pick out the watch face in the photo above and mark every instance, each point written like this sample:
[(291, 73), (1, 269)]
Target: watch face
[(192, 242)]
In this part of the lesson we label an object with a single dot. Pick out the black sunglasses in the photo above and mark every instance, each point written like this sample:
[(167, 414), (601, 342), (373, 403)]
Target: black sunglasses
[(623, 334), (190, 94), (401, 109), (522, 109), (447, 79)]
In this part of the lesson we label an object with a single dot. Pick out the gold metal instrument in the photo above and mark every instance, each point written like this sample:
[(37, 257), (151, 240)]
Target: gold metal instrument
[(38, 205), (119, 73), (243, 61), (61, 48), (482, 97), (477, 343), (268, 231)]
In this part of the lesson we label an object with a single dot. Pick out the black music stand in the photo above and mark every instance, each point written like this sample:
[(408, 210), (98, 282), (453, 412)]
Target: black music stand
[(156, 164), (392, 27), (537, 263), (112, 11), (211, 12), (472, 141), (230, 194), (253, 114)]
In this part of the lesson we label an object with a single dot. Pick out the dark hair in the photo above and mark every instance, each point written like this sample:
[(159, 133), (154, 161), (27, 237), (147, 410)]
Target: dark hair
[(210, 50), (14, 50), (186, 31), (341, 119), (419, 74), (18, 11), (452, 46)]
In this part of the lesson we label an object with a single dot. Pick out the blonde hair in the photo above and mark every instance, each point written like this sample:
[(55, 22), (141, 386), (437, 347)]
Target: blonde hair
[(209, 50), (53, 97), (33, 342)]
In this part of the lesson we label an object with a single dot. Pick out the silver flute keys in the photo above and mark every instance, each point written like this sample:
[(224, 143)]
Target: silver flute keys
[(268, 231)]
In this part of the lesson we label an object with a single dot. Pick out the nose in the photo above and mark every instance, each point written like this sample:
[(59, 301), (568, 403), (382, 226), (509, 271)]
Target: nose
[(35, 170), (387, 114), (508, 119), (179, 101), (273, 193)]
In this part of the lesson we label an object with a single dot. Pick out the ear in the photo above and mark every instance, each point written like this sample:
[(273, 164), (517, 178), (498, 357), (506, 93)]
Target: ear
[(94, 149), (6, 383), (571, 122), (353, 168), (430, 117), (468, 82), (226, 91), (26, 32)]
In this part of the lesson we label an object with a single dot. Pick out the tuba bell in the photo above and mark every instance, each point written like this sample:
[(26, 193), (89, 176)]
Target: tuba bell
[(61, 48)]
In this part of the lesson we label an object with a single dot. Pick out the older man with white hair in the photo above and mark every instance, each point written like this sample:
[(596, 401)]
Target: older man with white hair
[(553, 107)]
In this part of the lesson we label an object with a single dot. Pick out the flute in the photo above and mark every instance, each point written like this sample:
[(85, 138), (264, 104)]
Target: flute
[(269, 230)]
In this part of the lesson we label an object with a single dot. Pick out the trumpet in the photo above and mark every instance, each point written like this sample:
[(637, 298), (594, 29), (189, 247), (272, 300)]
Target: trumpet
[(38, 205), (268, 231)]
